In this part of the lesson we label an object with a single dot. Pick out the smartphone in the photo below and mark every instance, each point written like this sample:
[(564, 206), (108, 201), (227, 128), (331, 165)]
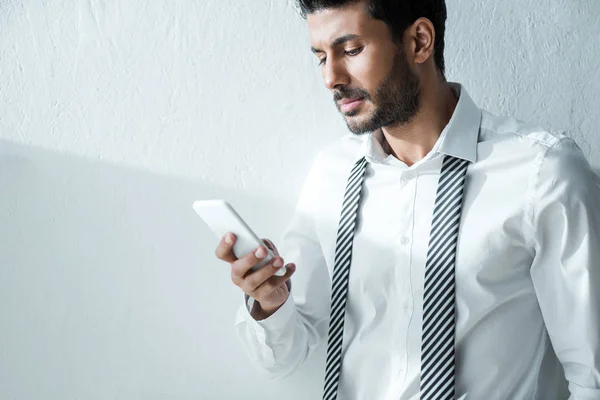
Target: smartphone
[(221, 218)]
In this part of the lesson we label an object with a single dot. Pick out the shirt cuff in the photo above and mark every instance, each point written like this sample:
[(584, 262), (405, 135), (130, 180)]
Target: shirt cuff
[(279, 320)]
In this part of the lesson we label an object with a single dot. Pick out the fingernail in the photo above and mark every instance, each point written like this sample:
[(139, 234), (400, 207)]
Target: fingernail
[(228, 239), (260, 253), (278, 263)]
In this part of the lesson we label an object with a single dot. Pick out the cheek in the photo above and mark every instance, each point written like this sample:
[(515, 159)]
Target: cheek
[(370, 71)]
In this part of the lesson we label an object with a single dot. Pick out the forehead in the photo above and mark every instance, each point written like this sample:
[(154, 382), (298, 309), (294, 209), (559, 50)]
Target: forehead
[(328, 24)]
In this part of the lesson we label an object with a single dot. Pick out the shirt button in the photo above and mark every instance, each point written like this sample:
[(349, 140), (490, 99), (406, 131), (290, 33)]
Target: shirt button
[(405, 240)]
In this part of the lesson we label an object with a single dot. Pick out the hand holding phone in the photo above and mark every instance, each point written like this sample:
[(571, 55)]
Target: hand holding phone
[(259, 273), (222, 218)]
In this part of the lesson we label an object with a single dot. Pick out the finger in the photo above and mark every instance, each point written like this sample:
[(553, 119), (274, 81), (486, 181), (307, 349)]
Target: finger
[(270, 245), (269, 285), (241, 267), (224, 250), (256, 278)]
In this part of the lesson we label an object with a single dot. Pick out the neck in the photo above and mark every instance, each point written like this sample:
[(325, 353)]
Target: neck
[(411, 142)]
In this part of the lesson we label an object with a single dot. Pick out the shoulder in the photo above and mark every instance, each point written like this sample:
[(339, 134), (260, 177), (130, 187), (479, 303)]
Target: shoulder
[(563, 167), (549, 153), (556, 156), (496, 127), (564, 184), (556, 174)]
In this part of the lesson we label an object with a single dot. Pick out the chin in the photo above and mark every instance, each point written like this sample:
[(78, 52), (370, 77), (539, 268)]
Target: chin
[(359, 124), (358, 129)]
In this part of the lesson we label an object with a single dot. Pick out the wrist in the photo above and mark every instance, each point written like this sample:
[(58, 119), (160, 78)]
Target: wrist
[(259, 312)]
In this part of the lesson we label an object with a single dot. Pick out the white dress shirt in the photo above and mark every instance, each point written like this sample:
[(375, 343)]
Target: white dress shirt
[(527, 266)]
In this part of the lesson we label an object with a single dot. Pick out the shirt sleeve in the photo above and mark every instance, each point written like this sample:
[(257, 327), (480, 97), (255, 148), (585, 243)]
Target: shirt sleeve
[(566, 267), (283, 341)]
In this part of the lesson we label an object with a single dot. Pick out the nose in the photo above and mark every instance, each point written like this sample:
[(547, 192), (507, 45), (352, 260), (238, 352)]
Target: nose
[(334, 74)]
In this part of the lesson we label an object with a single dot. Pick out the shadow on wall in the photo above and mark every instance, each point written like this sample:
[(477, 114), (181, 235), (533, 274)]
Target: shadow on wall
[(109, 288)]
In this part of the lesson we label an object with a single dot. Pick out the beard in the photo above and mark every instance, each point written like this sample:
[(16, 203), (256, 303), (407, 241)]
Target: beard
[(396, 100)]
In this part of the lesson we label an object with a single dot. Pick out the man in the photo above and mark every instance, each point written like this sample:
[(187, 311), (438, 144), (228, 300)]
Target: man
[(506, 309)]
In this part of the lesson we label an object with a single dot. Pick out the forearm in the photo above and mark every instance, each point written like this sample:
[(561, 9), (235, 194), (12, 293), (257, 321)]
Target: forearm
[(279, 343), (259, 313)]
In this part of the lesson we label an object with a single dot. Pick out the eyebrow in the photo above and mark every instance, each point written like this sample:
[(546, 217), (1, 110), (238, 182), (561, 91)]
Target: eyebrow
[(338, 41)]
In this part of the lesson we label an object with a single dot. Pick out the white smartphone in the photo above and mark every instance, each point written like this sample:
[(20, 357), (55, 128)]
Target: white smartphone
[(222, 218)]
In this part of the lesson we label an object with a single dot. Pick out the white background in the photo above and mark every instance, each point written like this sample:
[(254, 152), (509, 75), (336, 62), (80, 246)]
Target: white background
[(116, 115)]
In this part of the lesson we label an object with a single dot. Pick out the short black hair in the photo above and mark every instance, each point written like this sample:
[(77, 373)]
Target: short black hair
[(398, 15)]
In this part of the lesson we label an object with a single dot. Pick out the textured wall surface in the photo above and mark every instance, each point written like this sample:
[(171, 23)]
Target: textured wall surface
[(116, 115)]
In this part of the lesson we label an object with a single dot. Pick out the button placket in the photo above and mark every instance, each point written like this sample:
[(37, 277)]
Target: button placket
[(403, 299)]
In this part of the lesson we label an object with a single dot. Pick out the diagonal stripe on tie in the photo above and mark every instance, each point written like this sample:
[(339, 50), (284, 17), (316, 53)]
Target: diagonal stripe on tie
[(341, 273), (437, 340)]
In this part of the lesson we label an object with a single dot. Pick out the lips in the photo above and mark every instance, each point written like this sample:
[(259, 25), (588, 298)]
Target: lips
[(347, 105), (348, 101)]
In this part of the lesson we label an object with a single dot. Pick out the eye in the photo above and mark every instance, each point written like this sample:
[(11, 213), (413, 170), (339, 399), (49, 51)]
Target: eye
[(354, 52)]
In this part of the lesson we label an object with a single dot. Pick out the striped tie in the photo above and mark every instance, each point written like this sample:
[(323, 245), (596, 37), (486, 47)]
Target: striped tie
[(341, 271), (437, 381), (437, 338)]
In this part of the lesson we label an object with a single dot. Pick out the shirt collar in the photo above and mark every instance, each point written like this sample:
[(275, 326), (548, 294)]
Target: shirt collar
[(459, 138)]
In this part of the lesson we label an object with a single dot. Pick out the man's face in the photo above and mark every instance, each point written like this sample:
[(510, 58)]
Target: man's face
[(367, 73)]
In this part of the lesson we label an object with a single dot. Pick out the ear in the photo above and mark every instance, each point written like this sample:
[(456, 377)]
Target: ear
[(422, 34)]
